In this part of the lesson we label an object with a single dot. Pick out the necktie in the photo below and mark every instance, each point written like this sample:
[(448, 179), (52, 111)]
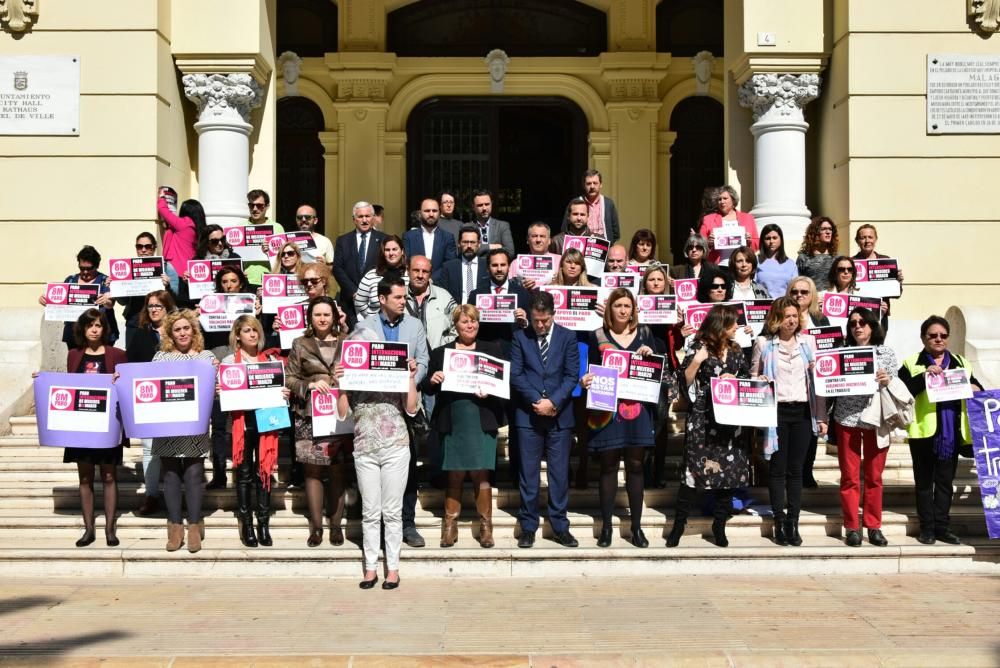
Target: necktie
[(497, 289), (484, 230), (543, 348), (469, 286), (362, 252)]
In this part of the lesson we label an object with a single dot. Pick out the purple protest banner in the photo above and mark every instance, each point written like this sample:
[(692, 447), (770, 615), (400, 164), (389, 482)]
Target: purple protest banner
[(984, 419), (77, 410), (166, 398), (603, 392)]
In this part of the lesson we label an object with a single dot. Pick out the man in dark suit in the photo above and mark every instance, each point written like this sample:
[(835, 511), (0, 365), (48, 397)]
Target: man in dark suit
[(574, 224), (463, 274), (602, 215), (493, 233), (500, 283), (442, 243), (355, 255), (545, 367)]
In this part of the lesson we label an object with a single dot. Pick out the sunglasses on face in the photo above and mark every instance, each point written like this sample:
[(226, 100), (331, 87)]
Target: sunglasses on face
[(86, 270), (798, 292), (312, 281), (145, 246), (216, 242), (256, 205), (857, 323), (718, 286), (935, 335), (692, 248), (304, 217), (290, 253)]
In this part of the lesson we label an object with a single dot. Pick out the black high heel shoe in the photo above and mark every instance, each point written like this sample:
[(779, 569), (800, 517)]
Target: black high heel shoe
[(315, 538), (639, 538), (604, 540), (87, 538), (674, 539)]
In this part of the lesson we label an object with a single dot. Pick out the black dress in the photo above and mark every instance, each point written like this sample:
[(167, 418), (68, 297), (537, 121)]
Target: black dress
[(97, 456)]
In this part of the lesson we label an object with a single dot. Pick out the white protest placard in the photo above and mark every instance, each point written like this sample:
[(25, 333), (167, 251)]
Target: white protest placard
[(657, 309), (743, 402), (576, 307), (594, 249), (538, 268), (80, 409), (827, 338), (469, 372), (625, 279), (325, 419), (948, 385), (878, 277), (218, 312), (293, 324), (248, 240), (845, 371), (66, 302), (375, 366), (304, 240), (280, 290), (135, 276), (201, 274), (730, 237), (837, 306), (639, 377), (496, 307), (166, 399), (251, 385)]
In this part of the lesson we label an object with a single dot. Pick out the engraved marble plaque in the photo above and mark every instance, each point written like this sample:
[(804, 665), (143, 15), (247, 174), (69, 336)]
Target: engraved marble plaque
[(963, 93), (39, 95)]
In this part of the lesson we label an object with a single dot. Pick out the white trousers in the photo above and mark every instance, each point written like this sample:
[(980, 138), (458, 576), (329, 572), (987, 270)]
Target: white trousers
[(382, 481)]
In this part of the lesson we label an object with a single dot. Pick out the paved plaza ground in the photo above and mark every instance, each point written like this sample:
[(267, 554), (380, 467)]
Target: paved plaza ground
[(903, 620)]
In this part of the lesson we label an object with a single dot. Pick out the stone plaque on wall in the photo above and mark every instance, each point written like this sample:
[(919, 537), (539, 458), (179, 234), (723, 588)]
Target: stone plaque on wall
[(39, 95), (963, 93)]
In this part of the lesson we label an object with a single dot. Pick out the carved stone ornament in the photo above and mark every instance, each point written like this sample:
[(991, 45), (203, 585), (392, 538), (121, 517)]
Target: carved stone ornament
[(223, 96), (290, 65), (986, 14), (779, 96), (497, 62), (18, 15), (361, 89), (702, 63)]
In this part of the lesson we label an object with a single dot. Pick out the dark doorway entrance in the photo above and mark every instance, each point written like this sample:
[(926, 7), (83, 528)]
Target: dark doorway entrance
[(696, 162), (300, 178), (530, 152)]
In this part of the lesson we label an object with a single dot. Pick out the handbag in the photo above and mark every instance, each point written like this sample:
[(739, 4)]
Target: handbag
[(274, 418)]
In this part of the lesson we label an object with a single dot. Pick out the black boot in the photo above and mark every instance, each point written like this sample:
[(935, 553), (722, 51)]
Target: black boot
[(723, 506), (247, 536), (218, 480), (780, 537), (264, 515), (792, 532), (685, 497)]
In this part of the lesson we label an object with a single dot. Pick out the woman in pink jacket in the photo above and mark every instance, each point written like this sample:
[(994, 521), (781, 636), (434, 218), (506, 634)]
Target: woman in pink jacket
[(180, 232), (726, 201)]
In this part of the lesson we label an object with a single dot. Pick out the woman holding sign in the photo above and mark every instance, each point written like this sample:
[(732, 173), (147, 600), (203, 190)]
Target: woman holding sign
[(726, 215), (310, 370), (251, 447), (715, 457), (87, 262), (95, 354), (468, 425), (857, 442), (629, 430), (288, 259), (843, 276), (938, 430), (183, 457), (382, 463), (785, 356), (181, 232)]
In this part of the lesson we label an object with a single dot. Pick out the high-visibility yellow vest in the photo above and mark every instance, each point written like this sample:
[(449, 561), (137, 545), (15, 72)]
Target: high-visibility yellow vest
[(924, 424)]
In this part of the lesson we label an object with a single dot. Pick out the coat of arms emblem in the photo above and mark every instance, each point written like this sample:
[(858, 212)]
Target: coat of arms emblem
[(20, 80)]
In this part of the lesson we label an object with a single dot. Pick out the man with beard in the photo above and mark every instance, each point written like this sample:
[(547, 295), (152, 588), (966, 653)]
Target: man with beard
[(307, 220), (574, 224), (602, 215), (461, 275), (493, 233), (500, 283), (429, 240)]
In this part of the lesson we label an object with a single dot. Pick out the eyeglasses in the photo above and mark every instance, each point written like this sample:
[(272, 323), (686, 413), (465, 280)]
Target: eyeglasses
[(312, 281), (845, 270), (216, 241), (718, 286), (943, 337), (798, 292), (154, 307), (692, 248), (857, 323), (86, 270), (256, 205), (145, 246), (304, 217)]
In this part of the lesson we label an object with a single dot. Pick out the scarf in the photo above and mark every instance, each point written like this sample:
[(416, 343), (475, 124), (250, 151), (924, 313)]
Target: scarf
[(268, 452), (948, 413), (769, 363)]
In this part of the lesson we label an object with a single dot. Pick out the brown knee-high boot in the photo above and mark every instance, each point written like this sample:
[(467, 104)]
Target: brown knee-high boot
[(452, 509), (484, 505)]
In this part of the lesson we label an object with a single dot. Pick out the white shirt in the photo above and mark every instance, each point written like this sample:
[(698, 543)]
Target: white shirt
[(368, 240), (428, 240)]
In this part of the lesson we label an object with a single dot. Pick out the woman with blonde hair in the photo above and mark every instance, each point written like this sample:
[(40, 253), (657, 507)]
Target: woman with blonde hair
[(250, 447), (802, 291), (183, 457), (288, 259), (572, 269)]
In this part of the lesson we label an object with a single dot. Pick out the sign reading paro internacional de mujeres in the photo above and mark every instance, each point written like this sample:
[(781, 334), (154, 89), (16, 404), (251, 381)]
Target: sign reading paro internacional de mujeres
[(963, 93), (39, 95)]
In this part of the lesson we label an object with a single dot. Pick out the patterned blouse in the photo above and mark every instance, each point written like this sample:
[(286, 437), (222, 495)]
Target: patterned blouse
[(816, 267), (847, 410), (379, 420), (183, 446)]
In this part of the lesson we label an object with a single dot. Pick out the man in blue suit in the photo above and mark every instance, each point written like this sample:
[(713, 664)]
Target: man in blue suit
[(355, 254), (466, 272), (545, 367), (430, 240)]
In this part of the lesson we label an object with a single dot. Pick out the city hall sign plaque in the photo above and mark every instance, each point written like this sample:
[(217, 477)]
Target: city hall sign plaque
[(963, 93), (39, 95)]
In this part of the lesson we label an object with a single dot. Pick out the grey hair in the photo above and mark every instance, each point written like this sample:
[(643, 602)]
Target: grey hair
[(361, 205), (697, 240), (732, 193)]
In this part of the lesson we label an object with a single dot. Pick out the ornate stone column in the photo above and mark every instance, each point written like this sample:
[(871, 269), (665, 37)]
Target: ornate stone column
[(779, 132), (224, 104)]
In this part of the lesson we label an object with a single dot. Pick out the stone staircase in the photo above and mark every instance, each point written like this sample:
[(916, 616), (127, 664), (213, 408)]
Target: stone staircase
[(40, 520)]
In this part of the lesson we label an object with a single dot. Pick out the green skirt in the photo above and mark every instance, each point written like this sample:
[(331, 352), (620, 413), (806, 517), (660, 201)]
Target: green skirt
[(467, 447)]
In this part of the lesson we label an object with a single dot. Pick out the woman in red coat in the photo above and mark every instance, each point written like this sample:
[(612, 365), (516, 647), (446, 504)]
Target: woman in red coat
[(726, 201)]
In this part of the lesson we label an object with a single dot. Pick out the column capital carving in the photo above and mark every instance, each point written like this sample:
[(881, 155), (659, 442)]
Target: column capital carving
[(223, 96), (779, 96)]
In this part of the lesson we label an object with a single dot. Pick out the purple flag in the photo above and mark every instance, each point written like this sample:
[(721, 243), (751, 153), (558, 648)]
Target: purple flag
[(603, 392), (984, 419), (78, 410), (166, 398)]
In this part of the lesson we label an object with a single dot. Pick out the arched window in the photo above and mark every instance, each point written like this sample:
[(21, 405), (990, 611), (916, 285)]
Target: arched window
[(696, 162), (300, 177)]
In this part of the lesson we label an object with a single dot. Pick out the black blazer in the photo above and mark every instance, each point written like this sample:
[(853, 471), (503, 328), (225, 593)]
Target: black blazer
[(143, 346), (500, 332), (449, 277), (491, 409), (345, 264)]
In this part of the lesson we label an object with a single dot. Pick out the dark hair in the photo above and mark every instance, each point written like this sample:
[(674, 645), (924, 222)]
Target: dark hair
[(86, 319), (192, 208), (708, 197), (831, 276), (89, 254), (313, 303), (870, 319), (705, 285), (257, 192), (166, 300), (593, 172), (202, 250), (148, 235), (481, 192), (811, 241), (542, 301), (498, 251), (934, 320), (441, 194), (386, 285), (748, 253), (579, 199), (643, 234), (244, 284), (712, 332), (469, 227), (377, 209), (779, 254), (381, 266)]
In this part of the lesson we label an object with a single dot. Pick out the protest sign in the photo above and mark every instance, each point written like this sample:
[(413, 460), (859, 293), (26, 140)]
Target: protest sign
[(251, 385), (657, 309), (325, 419), (626, 279), (639, 377), (744, 402), (166, 398), (827, 338), (984, 409), (469, 372), (948, 385), (78, 410), (201, 274), (66, 302), (686, 290), (845, 371), (603, 392), (878, 277), (538, 268), (218, 312), (594, 249), (248, 240), (576, 307), (375, 366), (135, 276), (293, 324), (496, 307), (280, 290)]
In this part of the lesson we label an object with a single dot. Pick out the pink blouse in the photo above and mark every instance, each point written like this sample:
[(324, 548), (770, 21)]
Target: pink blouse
[(179, 240)]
